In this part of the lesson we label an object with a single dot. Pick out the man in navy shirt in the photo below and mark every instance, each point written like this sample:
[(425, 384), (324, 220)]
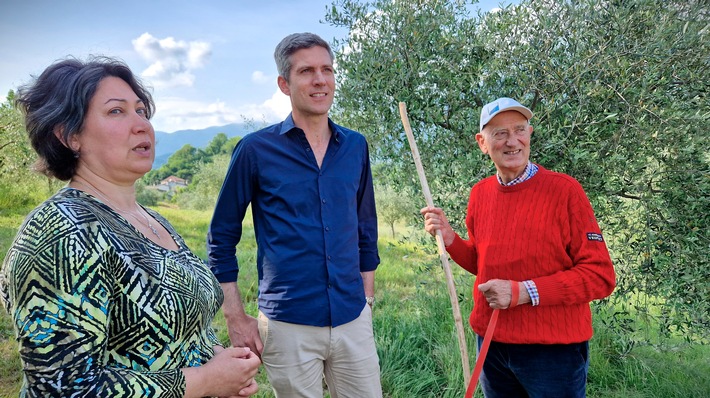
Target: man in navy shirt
[(309, 184)]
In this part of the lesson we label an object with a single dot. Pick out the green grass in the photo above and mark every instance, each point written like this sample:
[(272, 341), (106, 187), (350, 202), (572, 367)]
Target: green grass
[(414, 329)]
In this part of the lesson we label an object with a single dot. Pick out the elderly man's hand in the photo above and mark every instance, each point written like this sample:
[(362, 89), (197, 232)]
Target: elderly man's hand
[(435, 220), (498, 293)]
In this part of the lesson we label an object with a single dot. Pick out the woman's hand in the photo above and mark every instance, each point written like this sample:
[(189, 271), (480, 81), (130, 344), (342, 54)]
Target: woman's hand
[(229, 373)]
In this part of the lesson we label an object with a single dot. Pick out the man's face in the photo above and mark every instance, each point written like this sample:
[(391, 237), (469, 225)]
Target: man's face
[(311, 84), (506, 139)]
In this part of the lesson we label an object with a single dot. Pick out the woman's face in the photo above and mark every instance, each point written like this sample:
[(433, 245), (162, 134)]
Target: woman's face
[(117, 141)]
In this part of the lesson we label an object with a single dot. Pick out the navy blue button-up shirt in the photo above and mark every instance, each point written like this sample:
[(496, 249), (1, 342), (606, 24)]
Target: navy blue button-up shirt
[(315, 228)]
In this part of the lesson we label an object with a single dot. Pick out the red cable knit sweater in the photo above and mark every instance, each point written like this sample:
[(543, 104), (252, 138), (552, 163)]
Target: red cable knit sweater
[(542, 229)]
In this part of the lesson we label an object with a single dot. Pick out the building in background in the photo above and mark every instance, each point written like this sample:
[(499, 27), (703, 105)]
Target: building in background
[(171, 184)]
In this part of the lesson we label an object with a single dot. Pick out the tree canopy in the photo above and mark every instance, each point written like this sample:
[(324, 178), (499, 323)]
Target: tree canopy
[(185, 162), (16, 155), (20, 186), (620, 95)]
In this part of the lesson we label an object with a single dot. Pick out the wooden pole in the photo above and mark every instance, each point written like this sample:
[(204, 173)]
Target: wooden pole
[(440, 243)]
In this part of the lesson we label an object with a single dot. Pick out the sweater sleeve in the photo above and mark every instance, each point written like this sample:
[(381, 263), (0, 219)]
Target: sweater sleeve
[(463, 251), (60, 295), (591, 275)]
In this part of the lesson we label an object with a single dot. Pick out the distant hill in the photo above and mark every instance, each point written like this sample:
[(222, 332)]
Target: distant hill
[(168, 143)]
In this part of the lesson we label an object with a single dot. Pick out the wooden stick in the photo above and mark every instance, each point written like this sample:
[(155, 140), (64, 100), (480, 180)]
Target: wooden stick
[(440, 243)]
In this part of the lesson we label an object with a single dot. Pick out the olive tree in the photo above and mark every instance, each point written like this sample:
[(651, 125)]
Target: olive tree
[(620, 95), (423, 53), (20, 186), (620, 90)]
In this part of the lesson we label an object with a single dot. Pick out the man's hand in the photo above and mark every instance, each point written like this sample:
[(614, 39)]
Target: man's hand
[(243, 329), (435, 220), (244, 332), (498, 293)]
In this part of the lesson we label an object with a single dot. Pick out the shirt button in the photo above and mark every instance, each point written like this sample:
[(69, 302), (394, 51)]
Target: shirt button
[(323, 200), (327, 229)]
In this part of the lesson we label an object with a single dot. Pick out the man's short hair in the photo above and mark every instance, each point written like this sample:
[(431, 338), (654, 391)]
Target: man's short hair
[(292, 43)]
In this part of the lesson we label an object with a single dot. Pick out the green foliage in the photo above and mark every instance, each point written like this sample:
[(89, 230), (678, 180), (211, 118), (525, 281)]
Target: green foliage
[(393, 206), (207, 174), (620, 95), (621, 101), (215, 146), (202, 193), (642, 371), (147, 196), (20, 191), (10, 377), (414, 331), (16, 155), (427, 54), (21, 187), (180, 164), (185, 161)]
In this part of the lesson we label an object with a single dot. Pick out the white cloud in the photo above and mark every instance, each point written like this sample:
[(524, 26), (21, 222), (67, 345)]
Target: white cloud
[(171, 61), (260, 77), (274, 109), (175, 113)]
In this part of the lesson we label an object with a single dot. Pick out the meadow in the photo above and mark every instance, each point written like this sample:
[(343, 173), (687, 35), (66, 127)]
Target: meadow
[(414, 327)]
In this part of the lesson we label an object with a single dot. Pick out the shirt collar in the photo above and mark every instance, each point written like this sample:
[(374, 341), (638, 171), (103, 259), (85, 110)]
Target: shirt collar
[(288, 125), (530, 170)]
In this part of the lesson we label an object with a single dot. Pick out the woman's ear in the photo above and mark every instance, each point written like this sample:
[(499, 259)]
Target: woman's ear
[(73, 143)]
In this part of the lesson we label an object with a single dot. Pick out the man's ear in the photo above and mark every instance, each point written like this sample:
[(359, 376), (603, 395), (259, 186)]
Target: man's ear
[(283, 85), (481, 140)]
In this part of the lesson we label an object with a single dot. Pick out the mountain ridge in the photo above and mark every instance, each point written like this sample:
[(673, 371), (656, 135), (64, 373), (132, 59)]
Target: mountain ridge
[(168, 143)]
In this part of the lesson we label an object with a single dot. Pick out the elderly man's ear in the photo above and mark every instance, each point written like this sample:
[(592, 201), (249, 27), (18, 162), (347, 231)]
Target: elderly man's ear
[(480, 139)]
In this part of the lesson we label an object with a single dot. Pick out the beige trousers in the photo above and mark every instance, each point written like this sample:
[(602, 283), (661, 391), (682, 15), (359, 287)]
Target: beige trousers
[(297, 356)]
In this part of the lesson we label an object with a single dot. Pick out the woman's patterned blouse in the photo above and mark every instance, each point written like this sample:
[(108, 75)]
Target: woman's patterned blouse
[(100, 310)]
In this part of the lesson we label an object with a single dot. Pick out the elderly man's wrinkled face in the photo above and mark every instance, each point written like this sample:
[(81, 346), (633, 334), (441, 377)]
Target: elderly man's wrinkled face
[(506, 139)]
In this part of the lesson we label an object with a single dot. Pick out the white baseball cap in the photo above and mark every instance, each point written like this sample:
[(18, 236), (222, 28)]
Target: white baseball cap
[(501, 105)]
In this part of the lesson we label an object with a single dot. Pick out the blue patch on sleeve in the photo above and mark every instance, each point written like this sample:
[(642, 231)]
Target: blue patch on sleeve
[(595, 236)]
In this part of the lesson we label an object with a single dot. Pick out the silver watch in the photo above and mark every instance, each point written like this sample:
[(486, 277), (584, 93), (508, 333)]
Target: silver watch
[(370, 300)]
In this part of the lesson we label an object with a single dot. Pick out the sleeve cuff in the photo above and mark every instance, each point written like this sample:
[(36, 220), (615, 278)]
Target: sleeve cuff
[(532, 292)]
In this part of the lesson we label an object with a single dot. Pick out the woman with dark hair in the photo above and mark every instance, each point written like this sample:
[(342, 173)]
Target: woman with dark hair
[(106, 298)]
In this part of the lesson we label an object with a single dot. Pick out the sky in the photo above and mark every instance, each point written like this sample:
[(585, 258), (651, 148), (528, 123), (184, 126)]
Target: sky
[(208, 63)]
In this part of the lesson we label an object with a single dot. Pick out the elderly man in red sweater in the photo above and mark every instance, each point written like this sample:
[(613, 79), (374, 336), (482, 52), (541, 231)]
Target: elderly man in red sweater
[(531, 230)]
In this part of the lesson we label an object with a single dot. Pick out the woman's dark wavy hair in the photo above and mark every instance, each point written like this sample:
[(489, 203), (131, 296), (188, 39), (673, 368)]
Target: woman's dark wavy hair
[(57, 101)]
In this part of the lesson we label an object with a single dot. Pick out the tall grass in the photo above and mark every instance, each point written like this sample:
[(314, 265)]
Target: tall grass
[(414, 329)]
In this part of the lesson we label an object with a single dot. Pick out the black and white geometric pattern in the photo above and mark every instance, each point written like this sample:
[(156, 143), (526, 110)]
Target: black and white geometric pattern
[(100, 310)]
